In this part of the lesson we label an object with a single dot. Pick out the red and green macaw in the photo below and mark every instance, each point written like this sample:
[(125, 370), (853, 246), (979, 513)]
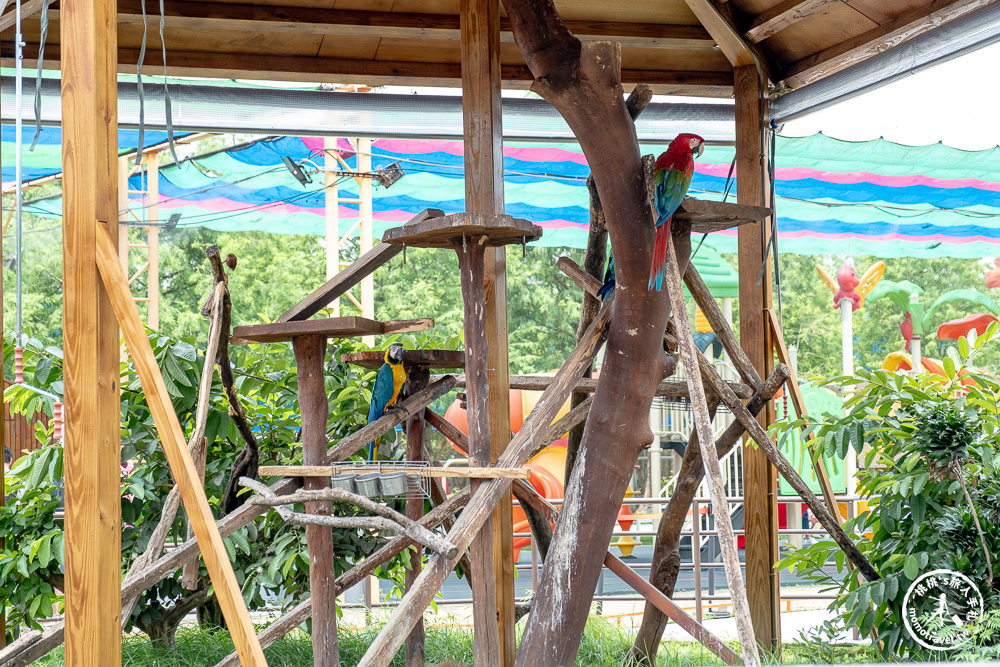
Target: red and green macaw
[(388, 388), (672, 173)]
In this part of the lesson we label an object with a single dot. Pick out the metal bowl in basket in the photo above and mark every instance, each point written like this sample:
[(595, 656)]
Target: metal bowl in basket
[(368, 484), (345, 481), (394, 483)]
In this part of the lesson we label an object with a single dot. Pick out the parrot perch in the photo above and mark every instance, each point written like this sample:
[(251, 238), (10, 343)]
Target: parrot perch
[(672, 173), (389, 384)]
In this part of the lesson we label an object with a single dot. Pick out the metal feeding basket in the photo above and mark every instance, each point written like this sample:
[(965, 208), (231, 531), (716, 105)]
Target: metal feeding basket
[(383, 479)]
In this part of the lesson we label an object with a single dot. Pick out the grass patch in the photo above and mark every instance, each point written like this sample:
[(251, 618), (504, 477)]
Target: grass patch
[(603, 645)]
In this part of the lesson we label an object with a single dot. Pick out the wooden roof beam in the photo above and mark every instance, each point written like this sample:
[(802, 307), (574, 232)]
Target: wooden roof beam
[(28, 8), (400, 25), (721, 25), (886, 36), (344, 70), (781, 16)]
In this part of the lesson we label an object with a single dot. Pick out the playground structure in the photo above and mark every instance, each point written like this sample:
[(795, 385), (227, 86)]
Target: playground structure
[(573, 77)]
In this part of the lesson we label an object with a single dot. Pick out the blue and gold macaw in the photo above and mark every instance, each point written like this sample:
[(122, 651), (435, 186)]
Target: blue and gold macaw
[(672, 174), (389, 384), (609, 278)]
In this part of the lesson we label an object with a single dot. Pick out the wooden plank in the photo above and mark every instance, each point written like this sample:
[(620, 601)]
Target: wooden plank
[(721, 29), (92, 448), (759, 477), (484, 195), (427, 358), (338, 285), (181, 465), (310, 353), (203, 63), (710, 458), (919, 21), (473, 472), (493, 229), (334, 327), (714, 216), (28, 9), (589, 385), (284, 19), (779, 17)]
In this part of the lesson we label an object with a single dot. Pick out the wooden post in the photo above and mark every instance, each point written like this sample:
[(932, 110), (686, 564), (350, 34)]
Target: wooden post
[(153, 240), (331, 197), (416, 379), (364, 153), (759, 476), (92, 451), (309, 354), (480, 30), (470, 262)]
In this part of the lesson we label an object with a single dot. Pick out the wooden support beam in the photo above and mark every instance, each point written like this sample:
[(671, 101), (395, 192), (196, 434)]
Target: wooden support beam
[(338, 285), (670, 608), (310, 354), (713, 473), (391, 25), (799, 402), (779, 17), (523, 446), (770, 451), (92, 452), (417, 378), (301, 612), (589, 385), (926, 18), (720, 25), (493, 611), (28, 9), (212, 64), (760, 479), (220, 570)]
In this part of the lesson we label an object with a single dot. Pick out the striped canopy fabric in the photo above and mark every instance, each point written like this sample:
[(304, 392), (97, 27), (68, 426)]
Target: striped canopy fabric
[(833, 197)]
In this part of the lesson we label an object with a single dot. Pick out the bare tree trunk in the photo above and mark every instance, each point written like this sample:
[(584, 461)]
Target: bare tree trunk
[(582, 81)]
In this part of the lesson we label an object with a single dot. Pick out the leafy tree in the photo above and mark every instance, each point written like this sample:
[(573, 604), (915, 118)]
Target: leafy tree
[(921, 438)]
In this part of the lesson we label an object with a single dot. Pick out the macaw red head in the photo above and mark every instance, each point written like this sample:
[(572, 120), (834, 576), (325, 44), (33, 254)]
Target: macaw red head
[(682, 144), (847, 278)]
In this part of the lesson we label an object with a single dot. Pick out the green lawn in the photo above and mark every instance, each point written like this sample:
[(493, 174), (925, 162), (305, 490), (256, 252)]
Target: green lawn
[(603, 645)]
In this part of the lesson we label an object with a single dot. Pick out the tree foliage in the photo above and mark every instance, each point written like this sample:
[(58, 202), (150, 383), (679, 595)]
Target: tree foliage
[(922, 516)]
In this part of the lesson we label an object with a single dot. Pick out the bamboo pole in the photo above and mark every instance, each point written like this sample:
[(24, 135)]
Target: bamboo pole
[(713, 472)]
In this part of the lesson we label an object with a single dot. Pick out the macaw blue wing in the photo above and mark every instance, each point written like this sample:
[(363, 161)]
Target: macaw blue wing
[(671, 188), (382, 394), (609, 278)]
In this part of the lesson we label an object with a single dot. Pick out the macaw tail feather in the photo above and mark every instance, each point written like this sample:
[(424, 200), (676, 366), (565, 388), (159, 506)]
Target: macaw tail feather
[(658, 268), (373, 450), (907, 346), (606, 289)]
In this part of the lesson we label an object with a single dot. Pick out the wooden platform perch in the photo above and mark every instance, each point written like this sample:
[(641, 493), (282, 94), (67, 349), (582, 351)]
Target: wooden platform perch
[(713, 216), (334, 327), (495, 230)]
